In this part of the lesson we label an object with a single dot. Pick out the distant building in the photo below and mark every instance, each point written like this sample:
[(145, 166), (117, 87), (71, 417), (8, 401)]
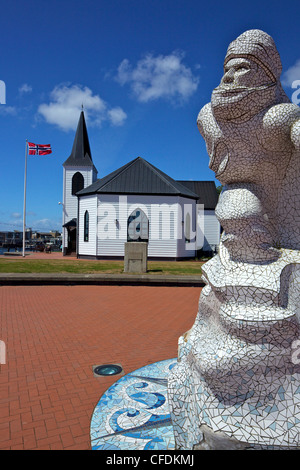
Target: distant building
[(14, 238), (46, 236), (137, 202)]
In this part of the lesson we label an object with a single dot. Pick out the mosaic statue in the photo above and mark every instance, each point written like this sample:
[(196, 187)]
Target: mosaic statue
[(237, 381)]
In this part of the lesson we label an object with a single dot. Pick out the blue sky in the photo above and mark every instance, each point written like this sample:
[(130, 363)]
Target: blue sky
[(142, 70)]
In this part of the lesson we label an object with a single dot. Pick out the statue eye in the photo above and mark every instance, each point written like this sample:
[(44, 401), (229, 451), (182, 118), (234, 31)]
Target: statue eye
[(242, 67)]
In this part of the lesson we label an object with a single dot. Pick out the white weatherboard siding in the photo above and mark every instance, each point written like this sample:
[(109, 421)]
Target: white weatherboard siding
[(88, 248), (65, 238), (211, 231), (69, 201), (64, 230), (165, 223), (188, 206)]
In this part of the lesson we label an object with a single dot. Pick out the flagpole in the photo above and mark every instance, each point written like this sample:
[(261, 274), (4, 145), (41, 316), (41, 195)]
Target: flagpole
[(24, 208)]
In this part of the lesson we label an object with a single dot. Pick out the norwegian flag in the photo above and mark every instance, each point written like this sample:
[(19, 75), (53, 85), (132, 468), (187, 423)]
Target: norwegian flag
[(35, 149)]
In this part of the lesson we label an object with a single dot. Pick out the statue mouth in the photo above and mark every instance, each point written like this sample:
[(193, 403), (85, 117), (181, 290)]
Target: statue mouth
[(231, 89), (233, 102), (224, 90), (223, 97)]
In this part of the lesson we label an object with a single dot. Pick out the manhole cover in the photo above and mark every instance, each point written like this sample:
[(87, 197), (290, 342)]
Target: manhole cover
[(108, 369)]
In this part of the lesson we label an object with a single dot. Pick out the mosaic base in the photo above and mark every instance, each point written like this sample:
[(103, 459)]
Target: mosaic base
[(133, 414)]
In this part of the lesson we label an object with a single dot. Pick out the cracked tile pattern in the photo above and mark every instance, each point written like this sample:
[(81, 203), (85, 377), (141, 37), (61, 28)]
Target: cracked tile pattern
[(238, 367)]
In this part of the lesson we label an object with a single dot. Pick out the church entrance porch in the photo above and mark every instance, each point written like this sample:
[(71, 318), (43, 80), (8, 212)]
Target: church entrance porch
[(71, 237)]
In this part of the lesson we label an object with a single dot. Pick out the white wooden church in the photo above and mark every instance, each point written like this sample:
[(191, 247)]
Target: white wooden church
[(136, 202)]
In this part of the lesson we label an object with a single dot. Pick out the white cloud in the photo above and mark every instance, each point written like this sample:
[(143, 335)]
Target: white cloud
[(66, 104), (292, 74), (8, 110), (25, 88), (16, 215), (159, 77), (117, 116), (45, 224)]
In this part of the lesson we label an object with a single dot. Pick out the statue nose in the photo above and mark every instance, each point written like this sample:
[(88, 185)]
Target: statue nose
[(228, 76)]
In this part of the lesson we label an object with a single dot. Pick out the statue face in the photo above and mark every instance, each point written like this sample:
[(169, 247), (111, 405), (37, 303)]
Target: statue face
[(245, 89), (241, 73)]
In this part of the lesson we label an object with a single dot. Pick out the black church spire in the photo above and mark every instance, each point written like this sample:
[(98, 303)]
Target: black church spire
[(81, 152)]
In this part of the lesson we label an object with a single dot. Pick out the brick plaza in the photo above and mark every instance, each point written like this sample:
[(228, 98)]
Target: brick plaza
[(55, 334)]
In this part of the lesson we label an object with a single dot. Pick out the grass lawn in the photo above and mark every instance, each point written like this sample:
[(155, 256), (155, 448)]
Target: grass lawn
[(88, 267)]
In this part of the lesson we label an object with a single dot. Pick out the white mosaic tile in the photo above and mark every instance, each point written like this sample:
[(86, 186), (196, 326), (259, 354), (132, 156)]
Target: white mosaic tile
[(237, 371)]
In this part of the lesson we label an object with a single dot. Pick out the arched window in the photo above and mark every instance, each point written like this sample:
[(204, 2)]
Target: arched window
[(86, 227), (188, 227), (77, 183), (137, 226)]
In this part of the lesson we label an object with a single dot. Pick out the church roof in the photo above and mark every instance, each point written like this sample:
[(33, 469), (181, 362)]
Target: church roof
[(206, 190), (138, 177), (81, 152), (71, 223)]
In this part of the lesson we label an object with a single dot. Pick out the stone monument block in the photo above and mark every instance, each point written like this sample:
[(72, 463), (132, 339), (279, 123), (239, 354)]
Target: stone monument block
[(135, 259)]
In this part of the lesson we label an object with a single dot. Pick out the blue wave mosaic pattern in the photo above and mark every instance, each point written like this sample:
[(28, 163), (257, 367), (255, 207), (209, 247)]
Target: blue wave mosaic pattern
[(133, 414)]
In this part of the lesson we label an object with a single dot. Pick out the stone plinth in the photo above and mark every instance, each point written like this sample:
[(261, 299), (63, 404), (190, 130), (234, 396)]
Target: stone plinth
[(135, 259)]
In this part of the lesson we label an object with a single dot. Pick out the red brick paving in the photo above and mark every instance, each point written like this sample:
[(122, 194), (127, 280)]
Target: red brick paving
[(55, 334)]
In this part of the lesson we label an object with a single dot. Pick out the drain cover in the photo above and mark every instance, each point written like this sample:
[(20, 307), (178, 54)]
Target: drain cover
[(108, 369)]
